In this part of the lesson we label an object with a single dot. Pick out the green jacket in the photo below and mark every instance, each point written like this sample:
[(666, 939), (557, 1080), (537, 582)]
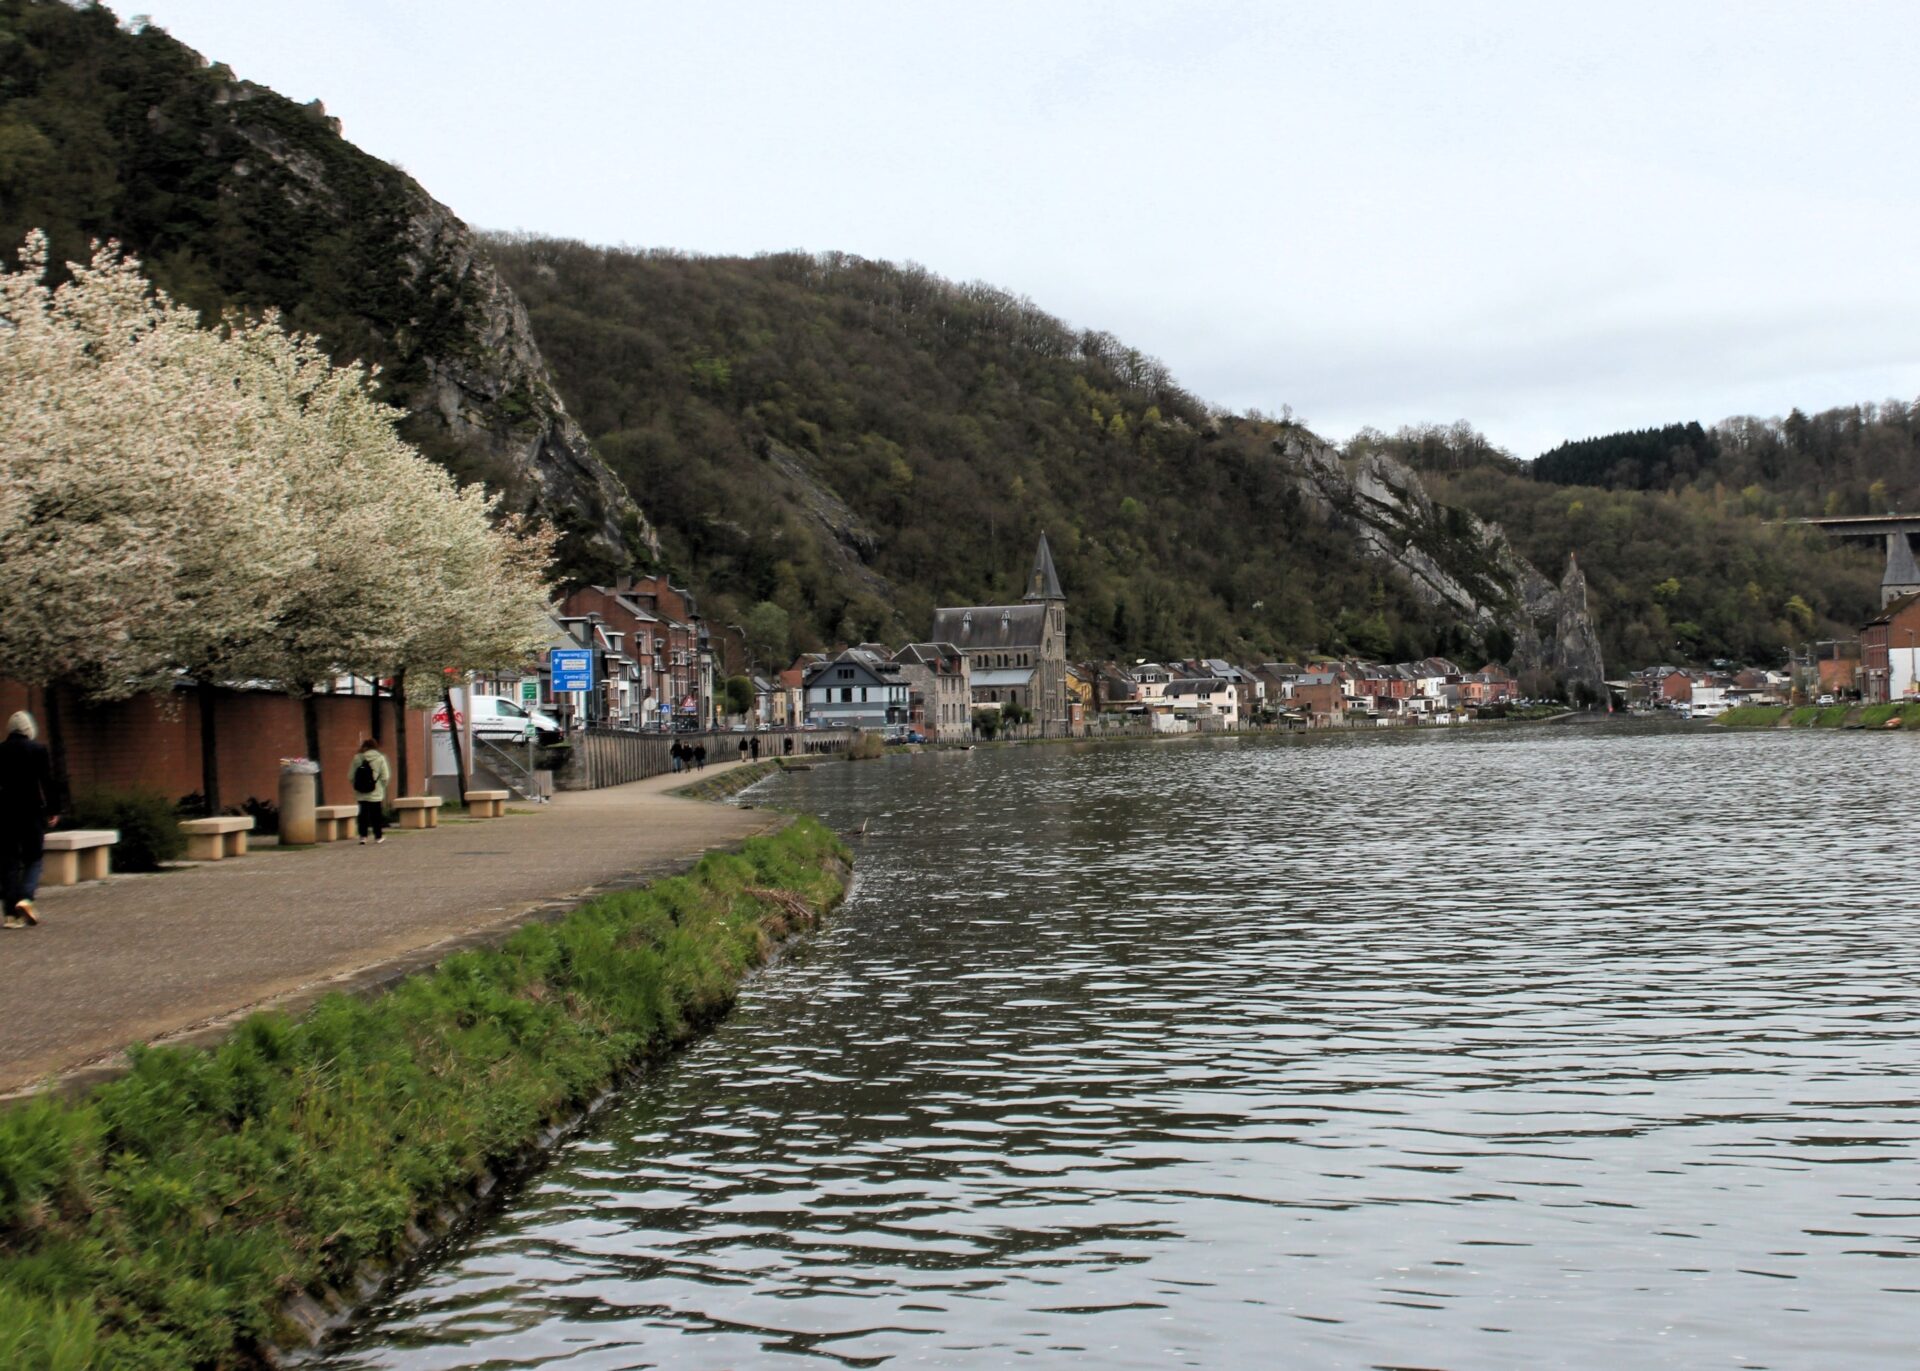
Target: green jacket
[(381, 772)]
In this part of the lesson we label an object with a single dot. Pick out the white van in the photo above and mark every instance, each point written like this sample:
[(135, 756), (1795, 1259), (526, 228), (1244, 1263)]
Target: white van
[(498, 719)]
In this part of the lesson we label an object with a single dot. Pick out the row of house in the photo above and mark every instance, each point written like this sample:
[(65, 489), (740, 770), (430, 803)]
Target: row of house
[(1331, 692), (934, 690), (1696, 694)]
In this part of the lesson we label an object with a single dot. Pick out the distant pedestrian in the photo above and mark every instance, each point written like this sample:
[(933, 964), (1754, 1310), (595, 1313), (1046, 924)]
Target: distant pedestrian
[(756, 747), (27, 804), (786, 745), (370, 776), (743, 749), (679, 751), (699, 756)]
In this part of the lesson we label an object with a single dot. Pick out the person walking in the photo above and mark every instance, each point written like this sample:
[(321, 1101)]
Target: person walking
[(743, 749), (27, 804), (786, 745), (756, 747), (370, 775), (699, 756), (679, 751)]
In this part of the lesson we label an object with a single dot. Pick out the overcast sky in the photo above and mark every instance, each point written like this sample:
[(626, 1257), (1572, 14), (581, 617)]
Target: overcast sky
[(1550, 220)]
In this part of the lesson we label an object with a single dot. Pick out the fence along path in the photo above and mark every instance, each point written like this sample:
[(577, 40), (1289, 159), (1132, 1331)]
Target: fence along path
[(610, 756)]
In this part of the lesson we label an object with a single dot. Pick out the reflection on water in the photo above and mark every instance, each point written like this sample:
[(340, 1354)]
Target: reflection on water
[(1585, 1047)]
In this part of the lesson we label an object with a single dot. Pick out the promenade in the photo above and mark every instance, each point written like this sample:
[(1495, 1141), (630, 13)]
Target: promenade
[(179, 955)]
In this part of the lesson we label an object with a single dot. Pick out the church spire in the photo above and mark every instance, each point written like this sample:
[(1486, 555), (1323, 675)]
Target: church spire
[(1043, 582)]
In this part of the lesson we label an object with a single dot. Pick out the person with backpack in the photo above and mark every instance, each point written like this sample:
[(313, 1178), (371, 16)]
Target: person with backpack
[(370, 775)]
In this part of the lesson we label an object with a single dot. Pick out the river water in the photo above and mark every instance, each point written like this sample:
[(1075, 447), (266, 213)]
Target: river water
[(1535, 1047)]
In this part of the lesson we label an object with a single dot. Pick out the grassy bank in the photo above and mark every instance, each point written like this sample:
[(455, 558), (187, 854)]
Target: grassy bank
[(724, 783), (1904, 714), (167, 1218)]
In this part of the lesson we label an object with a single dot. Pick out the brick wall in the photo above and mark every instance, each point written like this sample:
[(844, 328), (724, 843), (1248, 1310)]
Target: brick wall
[(153, 741)]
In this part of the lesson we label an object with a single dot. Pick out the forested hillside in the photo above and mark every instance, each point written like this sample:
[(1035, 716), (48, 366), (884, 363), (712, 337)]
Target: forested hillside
[(1691, 573), (855, 442), (1859, 459)]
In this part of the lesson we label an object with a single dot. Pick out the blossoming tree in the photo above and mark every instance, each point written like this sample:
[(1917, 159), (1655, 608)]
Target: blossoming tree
[(225, 504)]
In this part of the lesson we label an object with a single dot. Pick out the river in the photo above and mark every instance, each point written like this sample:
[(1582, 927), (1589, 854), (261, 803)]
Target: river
[(1532, 1047)]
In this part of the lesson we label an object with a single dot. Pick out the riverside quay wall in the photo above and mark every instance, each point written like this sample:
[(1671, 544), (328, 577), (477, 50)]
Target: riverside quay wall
[(599, 757)]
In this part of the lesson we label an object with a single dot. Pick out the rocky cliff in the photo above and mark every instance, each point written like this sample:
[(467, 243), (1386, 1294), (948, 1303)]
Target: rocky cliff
[(1451, 557), (235, 197)]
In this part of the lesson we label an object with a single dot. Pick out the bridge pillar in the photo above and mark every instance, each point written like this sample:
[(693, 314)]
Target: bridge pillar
[(1903, 574)]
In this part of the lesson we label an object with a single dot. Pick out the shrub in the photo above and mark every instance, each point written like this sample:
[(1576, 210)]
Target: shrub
[(266, 814), (149, 825)]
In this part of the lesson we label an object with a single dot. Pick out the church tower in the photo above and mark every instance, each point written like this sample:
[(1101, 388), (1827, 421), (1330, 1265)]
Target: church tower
[(1050, 680)]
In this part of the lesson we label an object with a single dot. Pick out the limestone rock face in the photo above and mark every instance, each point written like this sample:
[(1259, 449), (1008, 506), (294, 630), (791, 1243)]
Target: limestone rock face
[(1450, 557), (1576, 647), (477, 392)]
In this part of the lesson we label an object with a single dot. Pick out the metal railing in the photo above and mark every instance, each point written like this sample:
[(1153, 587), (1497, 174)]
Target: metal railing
[(601, 757)]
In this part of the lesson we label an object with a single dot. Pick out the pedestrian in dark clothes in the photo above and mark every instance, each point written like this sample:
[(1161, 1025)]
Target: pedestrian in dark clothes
[(27, 804), (786, 745), (699, 756), (679, 751), (743, 749), (756, 749)]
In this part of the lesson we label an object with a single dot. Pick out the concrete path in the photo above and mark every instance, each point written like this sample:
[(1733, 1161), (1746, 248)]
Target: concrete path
[(181, 954)]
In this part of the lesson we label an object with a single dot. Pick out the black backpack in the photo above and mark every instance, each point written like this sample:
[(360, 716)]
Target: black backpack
[(363, 778)]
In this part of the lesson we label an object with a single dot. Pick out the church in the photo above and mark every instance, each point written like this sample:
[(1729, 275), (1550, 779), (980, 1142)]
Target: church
[(1017, 654)]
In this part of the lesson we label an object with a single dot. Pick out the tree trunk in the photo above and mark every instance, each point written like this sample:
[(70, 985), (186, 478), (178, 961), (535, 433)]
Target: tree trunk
[(57, 745), (209, 752), (453, 734), (376, 733), (400, 728), (310, 713)]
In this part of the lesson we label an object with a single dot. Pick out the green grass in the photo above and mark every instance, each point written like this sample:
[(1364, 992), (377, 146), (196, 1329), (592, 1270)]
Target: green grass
[(1753, 716), (1877, 716), (163, 1219)]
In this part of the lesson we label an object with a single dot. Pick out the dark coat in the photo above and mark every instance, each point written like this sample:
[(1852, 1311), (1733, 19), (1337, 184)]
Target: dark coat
[(26, 797)]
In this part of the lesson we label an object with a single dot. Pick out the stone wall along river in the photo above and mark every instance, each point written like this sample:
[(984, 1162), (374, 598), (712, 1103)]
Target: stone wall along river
[(1582, 1047)]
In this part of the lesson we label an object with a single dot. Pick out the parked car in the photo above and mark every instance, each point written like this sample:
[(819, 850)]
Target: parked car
[(499, 719)]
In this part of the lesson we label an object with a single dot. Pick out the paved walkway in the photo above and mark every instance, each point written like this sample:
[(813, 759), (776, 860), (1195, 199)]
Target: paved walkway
[(178, 955)]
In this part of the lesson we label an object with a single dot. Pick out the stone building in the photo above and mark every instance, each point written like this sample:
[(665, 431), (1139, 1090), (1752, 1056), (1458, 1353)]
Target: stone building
[(1017, 654), (938, 689)]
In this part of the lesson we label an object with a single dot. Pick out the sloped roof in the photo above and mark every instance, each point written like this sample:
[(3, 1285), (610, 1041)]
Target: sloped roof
[(974, 627), (1043, 582), (1004, 676)]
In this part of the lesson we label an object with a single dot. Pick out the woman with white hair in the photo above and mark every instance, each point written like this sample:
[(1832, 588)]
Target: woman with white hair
[(26, 813)]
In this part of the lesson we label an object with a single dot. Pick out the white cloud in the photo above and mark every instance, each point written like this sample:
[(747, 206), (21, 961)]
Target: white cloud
[(1553, 222)]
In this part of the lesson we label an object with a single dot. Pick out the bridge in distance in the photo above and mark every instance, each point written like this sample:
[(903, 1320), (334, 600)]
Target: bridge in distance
[(1903, 573)]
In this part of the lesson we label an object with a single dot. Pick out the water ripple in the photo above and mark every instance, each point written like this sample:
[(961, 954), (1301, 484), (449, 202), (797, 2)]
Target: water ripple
[(1532, 1048)]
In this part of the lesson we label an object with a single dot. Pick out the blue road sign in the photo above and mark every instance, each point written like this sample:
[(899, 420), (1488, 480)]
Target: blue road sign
[(572, 669)]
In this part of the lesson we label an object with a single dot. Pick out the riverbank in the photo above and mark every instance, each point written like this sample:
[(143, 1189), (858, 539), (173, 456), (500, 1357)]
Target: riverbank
[(1884, 716), (178, 1215), (181, 955)]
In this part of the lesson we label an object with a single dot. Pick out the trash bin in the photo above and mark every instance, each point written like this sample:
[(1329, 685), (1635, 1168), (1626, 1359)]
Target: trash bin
[(299, 784)]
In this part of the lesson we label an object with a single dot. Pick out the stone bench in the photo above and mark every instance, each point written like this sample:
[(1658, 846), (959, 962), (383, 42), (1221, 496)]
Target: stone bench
[(334, 823), (418, 811), (79, 854), (213, 840), (486, 804)]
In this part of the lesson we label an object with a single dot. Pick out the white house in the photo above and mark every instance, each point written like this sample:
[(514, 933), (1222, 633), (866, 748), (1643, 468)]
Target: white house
[(1206, 701), (857, 689)]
